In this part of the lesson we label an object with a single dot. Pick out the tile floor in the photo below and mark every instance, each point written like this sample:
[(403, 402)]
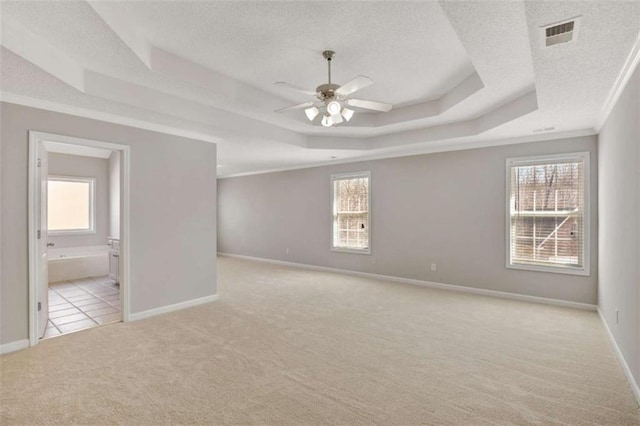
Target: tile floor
[(80, 304)]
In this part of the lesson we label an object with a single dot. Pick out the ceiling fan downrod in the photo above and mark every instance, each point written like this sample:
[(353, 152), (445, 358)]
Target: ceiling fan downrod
[(327, 91), (328, 55)]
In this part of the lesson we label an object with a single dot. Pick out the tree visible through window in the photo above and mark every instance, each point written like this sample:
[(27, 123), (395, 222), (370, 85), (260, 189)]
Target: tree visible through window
[(70, 204), (351, 204), (547, 213)]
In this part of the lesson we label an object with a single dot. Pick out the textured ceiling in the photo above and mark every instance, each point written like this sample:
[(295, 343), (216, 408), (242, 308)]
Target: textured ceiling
[(410, 50), (206, 70), (578, 76)]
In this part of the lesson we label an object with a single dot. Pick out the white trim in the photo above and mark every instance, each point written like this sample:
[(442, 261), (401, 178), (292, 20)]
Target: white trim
[(125, 282), (344, 176), (585, 157), (103, 116), (14, 346), (625, 75), (623, 362), (170, 308), (448, 145), (431, 284), (430, 148), (125, 227), (92, 205), (33, 239)]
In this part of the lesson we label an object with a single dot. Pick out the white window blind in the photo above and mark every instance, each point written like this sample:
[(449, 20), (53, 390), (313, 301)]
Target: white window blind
[(70, 205), (351, 204), (547, 201)]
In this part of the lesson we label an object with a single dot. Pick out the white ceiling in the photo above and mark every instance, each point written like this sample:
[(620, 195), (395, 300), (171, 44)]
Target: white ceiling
[(458, 73)]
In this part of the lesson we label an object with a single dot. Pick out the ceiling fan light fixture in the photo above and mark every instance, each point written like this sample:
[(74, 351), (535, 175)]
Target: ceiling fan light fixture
[(311, 113), (334, 107), (331, 100), (327, 121), (347, 113)]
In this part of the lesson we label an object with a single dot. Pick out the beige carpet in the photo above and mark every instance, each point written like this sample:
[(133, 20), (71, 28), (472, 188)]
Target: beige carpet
[(290, 346)]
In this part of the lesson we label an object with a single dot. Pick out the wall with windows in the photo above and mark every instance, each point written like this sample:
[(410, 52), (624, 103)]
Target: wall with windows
[(172, 212), (619, 209), (79, 166), (446, 208)]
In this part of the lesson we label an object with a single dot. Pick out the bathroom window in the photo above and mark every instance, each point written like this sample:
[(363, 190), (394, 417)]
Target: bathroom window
[(70, 205), (351, 205)]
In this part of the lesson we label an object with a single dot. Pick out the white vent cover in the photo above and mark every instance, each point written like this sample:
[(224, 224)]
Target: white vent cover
[(560, 32)]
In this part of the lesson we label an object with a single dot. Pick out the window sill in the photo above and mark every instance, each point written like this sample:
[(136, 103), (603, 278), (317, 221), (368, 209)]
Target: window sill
[(351, 250), (551, 269), (69, 233)]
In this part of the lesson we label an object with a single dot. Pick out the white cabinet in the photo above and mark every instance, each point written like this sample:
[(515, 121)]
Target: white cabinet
[(114, 259)]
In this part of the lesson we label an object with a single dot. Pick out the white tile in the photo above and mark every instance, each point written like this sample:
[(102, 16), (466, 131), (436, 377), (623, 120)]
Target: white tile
[(77, 325), (102, 311), (105, 319), (51, 332), (69, 318), (63, 313), (62, 307)]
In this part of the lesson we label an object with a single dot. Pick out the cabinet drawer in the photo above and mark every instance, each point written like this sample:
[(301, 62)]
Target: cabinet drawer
[(115, 244)]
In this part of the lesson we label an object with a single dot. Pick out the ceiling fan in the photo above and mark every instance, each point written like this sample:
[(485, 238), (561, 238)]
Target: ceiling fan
[(332, 99)]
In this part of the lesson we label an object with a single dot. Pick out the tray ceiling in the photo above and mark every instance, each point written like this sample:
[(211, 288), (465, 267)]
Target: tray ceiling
[(457, 73)]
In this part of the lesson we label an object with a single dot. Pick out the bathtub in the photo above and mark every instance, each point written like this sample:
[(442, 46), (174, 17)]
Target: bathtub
[(70, 263)]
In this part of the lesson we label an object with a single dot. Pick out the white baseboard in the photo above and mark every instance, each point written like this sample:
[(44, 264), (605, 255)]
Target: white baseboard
[(14, 346), (451, 287), (623, 362), (170, 308)]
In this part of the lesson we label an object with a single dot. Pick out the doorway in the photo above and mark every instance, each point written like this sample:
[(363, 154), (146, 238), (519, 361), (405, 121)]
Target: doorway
[(78, 241)]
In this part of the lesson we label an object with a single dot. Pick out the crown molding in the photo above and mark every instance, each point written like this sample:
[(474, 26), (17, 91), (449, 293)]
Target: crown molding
[(27, 101), (427, 148), (430, 148), (626, 72)]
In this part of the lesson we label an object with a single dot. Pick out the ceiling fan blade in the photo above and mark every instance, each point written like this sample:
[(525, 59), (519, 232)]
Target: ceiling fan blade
[(372, 105), (360, 82), (298, 106), (295, 88)]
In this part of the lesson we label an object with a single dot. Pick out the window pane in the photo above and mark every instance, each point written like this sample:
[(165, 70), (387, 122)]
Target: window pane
[(68, 205), (351, 212), (547, 209)]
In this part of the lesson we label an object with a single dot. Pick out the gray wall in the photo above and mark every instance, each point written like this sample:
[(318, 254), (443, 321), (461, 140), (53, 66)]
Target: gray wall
[(446, 208), (114, 195), (619, 186), (78, 166), (173, 212)]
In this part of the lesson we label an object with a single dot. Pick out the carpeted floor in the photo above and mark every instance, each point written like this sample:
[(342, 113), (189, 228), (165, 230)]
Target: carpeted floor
[(290, 346)]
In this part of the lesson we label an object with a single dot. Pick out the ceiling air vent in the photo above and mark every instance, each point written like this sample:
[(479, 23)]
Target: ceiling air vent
[(559, 33)]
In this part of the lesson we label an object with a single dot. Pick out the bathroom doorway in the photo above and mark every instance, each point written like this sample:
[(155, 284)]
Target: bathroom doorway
[(78, 229)]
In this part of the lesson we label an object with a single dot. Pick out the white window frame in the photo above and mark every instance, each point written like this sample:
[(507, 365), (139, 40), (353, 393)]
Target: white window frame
[(92, 205), (585, 269), (344, 176)]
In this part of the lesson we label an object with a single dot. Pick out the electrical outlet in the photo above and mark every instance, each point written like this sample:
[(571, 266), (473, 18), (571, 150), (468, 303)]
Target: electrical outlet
[(617, 316), (286, 250), (433, 267)]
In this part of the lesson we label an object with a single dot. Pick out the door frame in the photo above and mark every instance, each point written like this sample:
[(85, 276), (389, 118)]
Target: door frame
[(35, 205)]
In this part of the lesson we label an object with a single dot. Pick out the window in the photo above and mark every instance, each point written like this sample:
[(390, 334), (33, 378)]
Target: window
[(70, 205), (350, 194), (547, 214)]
